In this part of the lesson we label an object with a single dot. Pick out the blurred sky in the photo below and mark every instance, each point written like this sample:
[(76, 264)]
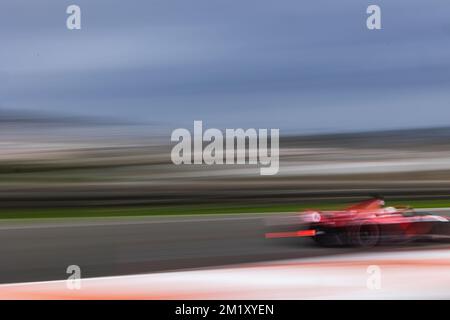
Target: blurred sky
[(301, 66)]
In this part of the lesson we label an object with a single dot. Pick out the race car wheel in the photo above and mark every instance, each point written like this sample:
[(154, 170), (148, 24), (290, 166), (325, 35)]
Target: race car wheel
[(364, 235)]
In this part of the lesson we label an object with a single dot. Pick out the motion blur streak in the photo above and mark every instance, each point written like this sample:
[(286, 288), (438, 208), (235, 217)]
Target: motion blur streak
[(301, 233), (367, 224), (86, 116), (407, 274)]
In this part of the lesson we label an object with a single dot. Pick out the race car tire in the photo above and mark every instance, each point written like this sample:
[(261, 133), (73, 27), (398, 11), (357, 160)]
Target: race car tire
[(365, 234)]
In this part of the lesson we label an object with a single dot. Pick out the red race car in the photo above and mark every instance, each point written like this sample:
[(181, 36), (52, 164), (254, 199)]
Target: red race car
[(366, 224)]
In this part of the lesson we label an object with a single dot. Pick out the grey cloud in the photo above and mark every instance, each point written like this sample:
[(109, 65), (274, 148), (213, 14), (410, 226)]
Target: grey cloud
[(252, 62)]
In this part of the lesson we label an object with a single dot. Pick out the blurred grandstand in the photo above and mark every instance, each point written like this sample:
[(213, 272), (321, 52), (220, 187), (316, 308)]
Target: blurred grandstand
[(58, 161)]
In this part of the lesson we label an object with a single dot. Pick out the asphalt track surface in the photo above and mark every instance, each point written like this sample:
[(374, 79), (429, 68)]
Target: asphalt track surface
[(43, 249)]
